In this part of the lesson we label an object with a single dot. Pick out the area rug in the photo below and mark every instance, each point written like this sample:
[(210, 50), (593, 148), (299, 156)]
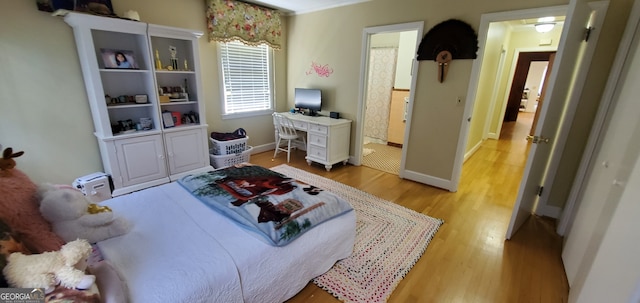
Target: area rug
[(389, 241), (385, 158)]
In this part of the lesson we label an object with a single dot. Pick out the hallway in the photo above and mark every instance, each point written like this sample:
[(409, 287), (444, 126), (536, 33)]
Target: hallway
[(499, 164)]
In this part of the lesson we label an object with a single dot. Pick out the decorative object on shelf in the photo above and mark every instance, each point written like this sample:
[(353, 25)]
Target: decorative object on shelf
[(174, 59), (449, 40), (175, 93), (158, 62), (126, 125), (229, 20), (141, 99), (190, 118), (186, 65), (146, 123), (96, 7), (177, 118), (167, 119), (52, 5), (185, 88), (131, 15), (113, 58)]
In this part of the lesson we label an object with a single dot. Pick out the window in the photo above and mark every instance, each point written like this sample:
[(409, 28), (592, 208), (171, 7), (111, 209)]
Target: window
[(247, 79)]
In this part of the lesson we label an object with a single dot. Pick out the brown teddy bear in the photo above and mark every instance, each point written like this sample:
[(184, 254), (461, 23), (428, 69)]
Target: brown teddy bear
[(19, 207)]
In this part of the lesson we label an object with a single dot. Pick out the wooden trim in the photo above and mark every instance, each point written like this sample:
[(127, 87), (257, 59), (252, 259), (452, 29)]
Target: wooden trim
[(401, 89), (394, 144)]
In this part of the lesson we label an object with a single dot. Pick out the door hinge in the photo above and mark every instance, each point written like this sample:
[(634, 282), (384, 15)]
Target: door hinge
[(587, 33), (539, 190)]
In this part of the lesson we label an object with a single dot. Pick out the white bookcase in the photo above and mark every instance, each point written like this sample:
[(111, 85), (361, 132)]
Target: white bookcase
[(156, 89)]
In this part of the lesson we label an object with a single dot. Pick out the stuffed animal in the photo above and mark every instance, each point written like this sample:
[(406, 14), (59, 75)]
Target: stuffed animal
[(7, 161), (45, 270), (19, 209), (72, 216)]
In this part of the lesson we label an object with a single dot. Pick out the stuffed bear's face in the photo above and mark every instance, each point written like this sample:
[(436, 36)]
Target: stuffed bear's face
[(63, 205)]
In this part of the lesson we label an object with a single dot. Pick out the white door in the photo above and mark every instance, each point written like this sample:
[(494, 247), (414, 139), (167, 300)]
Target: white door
[(185, 151), (612, 165), (141, 159), (565, 85)]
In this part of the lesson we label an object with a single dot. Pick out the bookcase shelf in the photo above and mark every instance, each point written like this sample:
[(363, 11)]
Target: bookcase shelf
[(137, 146)]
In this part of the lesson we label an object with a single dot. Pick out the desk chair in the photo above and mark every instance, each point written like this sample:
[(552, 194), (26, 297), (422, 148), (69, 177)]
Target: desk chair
[(285, 131)]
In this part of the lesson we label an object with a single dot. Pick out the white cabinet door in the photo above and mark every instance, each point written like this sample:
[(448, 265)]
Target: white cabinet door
[(185, 151), (141, 159)]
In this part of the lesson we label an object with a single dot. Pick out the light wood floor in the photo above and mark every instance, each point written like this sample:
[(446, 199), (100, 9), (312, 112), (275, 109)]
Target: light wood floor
[(468, 260)]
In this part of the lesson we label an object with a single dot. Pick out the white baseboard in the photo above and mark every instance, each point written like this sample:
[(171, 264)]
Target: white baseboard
[(266, 147), (472, 151), (263, 148), (549, 211), (429, 180), (493, 136)]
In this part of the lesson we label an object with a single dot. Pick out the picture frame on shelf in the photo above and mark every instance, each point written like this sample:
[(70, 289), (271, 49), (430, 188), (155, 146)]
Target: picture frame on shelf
[(118, 59), (167, 119)]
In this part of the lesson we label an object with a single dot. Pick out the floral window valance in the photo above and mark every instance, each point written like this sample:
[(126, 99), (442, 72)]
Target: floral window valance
[(229, 20)]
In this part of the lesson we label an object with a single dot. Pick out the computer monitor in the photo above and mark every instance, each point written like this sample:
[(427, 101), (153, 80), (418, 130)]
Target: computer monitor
[(310, 99)]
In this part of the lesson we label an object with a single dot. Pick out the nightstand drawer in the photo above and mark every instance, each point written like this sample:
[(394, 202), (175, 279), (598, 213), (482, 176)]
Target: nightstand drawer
[(316, 128), (318, 153), (318, 140)]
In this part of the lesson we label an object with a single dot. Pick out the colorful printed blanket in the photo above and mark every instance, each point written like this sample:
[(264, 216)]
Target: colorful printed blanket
[(267, 203)]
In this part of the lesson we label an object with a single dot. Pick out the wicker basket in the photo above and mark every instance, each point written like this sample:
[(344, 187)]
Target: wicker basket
[(220, 161), (229, 147)]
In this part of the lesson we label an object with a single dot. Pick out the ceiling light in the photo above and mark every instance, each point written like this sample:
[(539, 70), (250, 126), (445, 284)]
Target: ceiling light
[(544, 27)]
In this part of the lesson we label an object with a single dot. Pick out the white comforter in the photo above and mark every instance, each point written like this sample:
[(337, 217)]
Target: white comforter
[(179, 250)]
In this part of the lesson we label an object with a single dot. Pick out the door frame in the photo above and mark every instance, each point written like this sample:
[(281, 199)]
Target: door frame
[(472, 89), (518, 85), (367, 32), (512, 74)]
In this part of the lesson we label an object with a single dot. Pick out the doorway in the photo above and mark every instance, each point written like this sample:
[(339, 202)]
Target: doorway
[(525, 90), (528, 89), (388, 89), (387, 80), (499, 78)]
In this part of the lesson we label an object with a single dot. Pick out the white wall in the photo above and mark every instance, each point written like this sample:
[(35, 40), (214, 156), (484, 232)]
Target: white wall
[(533, 83)]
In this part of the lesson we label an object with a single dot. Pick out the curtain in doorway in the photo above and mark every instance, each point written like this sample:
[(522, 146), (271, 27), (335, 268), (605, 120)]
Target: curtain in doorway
[(382, 67)]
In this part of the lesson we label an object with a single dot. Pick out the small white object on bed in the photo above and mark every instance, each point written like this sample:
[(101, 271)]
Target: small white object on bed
[(180, 250)]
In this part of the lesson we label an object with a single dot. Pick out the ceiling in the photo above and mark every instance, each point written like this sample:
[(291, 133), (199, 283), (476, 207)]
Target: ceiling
[(528, 24), (300, 7)]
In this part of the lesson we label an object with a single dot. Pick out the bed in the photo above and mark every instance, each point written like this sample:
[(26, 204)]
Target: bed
[(180, 249)]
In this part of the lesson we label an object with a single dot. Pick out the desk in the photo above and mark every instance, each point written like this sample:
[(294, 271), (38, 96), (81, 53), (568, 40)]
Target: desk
[(327, 139)]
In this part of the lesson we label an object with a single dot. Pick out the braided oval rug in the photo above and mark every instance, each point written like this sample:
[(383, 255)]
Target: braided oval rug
[(389, 241)]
